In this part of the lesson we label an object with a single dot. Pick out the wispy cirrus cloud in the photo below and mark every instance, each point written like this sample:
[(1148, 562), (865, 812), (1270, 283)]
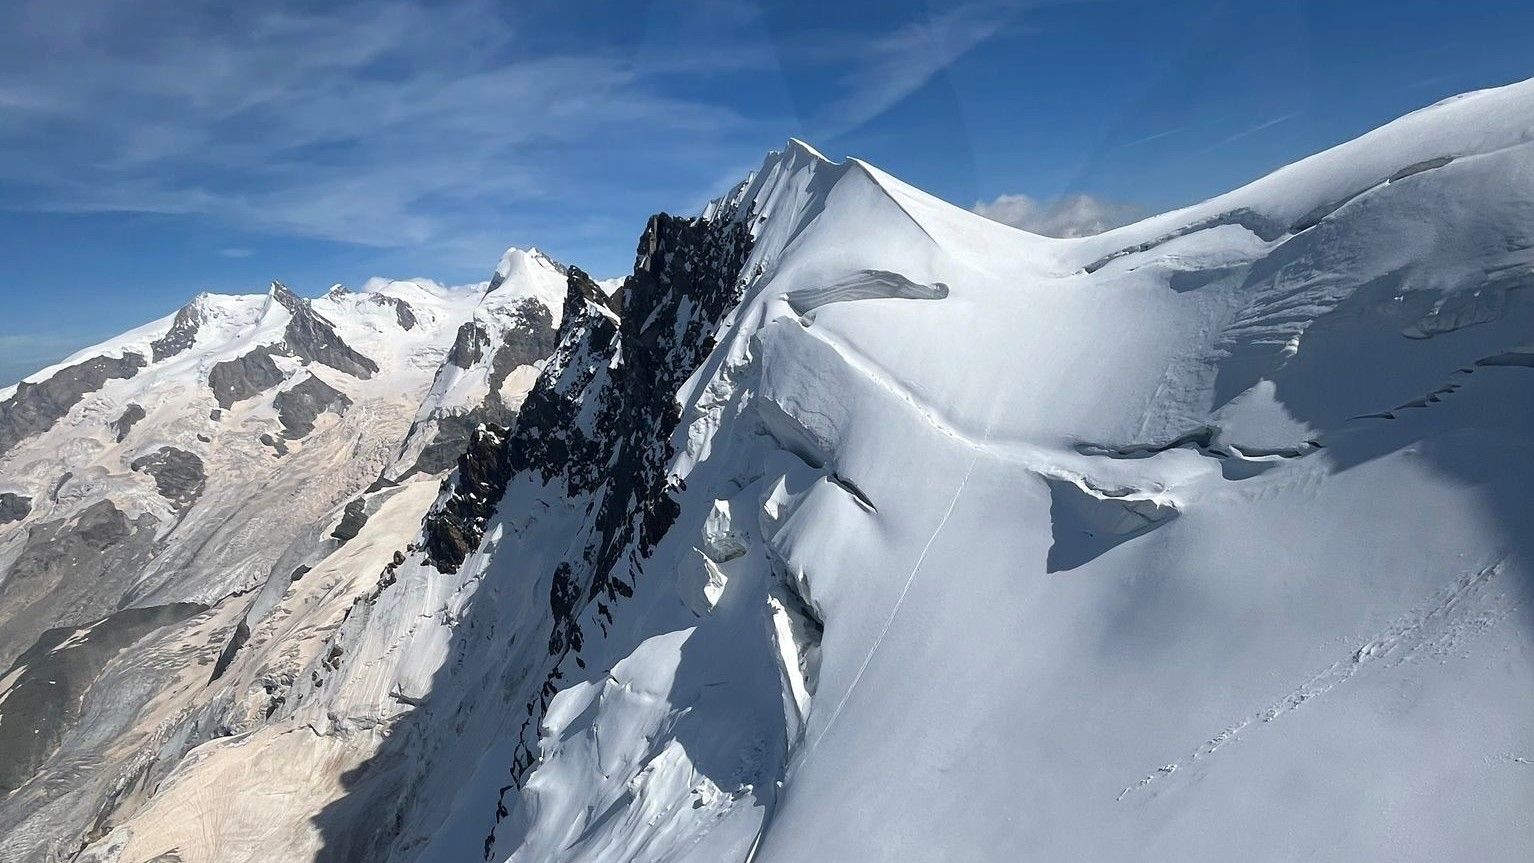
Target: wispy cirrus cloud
[(1249, 131), (390, 124), (452, 127), (886, 68)]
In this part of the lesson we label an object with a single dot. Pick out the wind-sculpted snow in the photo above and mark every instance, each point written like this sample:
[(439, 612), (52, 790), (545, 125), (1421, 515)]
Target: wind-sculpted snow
[(867, 285), (1087, 522)]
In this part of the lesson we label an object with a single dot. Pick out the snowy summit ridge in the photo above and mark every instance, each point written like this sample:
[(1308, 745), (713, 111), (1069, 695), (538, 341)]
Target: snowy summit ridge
[(851, 526)]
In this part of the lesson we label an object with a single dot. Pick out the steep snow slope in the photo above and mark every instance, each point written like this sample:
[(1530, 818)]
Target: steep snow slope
[(1202, 539), (182, 552), (853, 526)]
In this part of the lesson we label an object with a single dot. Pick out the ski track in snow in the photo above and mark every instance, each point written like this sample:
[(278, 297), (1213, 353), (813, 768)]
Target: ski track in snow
[(1029, 456), (905, 590), (1436, 626)]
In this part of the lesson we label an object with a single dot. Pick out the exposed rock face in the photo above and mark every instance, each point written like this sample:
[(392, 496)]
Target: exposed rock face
[(456, 527), (14, 507), (238, 379), (469, 346), (299, 405), (531, 337), (450, 441), (310, 336), (178, 475), (403, 314), (352, 519), (236, 641), (35, 407), (584, 336), (593, 422), (124, 424), (182, 334), (279, 447)]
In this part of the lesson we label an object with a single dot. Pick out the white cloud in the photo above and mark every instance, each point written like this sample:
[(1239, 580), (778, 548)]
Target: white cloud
[(1069, 216)]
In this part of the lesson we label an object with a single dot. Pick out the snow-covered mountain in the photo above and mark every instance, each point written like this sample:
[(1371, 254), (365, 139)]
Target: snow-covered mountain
[(854, 526), (172, 493)]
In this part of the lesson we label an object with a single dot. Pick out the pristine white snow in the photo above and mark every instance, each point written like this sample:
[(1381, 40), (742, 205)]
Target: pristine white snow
[(1206, 538)]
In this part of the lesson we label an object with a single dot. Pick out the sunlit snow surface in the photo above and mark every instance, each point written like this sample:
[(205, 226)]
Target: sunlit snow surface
[(1203, 539), (1299, 632)]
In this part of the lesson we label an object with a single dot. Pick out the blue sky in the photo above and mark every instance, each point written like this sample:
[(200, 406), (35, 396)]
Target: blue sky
[(154, 149)]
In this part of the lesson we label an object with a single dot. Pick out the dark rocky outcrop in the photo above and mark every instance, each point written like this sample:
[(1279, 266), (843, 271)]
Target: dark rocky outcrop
[(404, 315), (226, 656), (682, 265), (35, 407), (276, 443), (595, 429), (353, 517), (687, 278), (124, 424), (310, 336), (238, 379), (58, 485), (531, 338), (182, 334), (469, 345), (178, 475), (455, 529), (14, 507), (449, 441), (299, 405)]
